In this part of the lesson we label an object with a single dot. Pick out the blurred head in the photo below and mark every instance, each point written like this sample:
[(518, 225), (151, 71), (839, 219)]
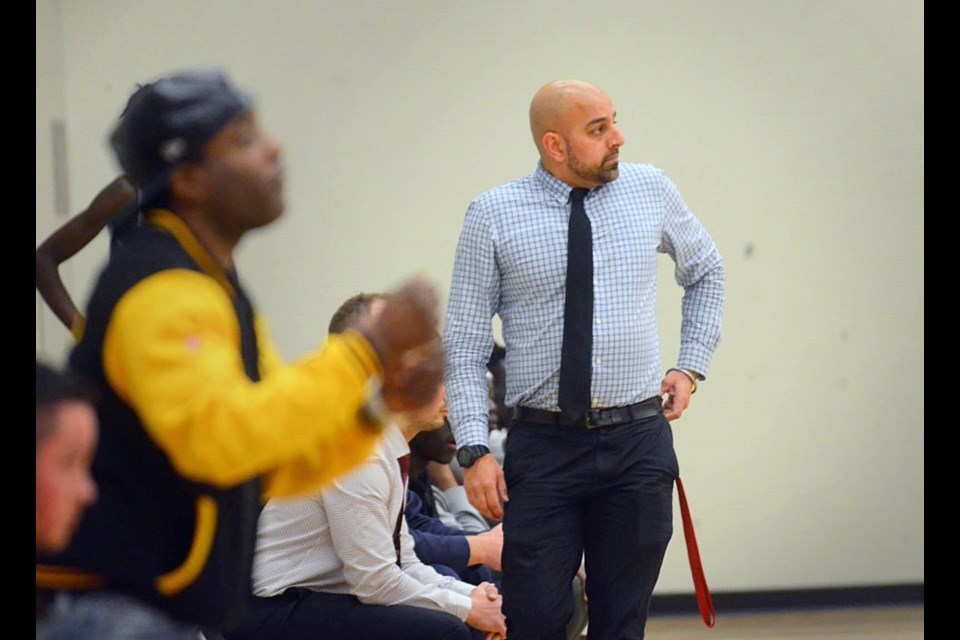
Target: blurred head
[(66, 440), (574, 127), (192, 140), (355, 311), (363, 309)]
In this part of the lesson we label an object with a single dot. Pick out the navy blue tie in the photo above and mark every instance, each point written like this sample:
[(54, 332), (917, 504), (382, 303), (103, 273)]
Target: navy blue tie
[(574, 391)]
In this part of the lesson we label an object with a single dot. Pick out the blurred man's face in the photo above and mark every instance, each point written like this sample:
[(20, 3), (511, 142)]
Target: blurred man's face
[(64, 484), (243, 175)]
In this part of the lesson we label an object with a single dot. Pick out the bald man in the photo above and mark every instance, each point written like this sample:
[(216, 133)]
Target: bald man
[(590, 463)]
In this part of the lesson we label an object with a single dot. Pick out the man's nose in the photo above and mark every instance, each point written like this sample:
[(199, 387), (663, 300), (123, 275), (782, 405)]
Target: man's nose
[(616, 140)]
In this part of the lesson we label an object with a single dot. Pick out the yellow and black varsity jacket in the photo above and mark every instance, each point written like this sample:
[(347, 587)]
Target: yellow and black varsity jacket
[(200, 423)]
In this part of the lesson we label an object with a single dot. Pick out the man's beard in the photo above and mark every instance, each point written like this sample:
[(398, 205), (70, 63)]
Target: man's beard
[(600, 174)]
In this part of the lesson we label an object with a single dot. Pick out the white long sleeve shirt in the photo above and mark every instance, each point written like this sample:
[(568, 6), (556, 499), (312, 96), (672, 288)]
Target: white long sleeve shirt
[(341, 541)]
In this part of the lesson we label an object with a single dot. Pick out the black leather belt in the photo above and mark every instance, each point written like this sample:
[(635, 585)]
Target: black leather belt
[(596, 418)]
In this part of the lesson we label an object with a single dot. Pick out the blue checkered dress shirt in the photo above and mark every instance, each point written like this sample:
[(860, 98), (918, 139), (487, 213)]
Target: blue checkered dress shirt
[(511, 260)]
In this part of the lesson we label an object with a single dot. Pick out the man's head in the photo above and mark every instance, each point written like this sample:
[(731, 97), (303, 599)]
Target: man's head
[(191, 141), (354, 311), (435, 445), (574, 127), (66, 440), (362, 310)]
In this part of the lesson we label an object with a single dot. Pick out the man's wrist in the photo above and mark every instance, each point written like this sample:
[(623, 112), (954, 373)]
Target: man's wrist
[(469, 454), (693, 372), (693, 376), (479, 548), (77, 326)]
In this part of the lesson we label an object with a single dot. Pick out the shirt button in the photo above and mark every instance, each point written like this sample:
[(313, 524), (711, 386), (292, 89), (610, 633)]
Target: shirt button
[(598, 361), (597, 321), (596, 402), (595, 283)]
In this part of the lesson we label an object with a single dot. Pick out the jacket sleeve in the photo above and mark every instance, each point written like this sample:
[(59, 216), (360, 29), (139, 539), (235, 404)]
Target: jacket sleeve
[(433, 541), (436, 548), (700, 271), (171, 352), (418, 519)]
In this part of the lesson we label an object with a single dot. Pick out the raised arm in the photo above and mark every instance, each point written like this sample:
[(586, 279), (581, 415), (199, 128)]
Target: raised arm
[(70, 238)]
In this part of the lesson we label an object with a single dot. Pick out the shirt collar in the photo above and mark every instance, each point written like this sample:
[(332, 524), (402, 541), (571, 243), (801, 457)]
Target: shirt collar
[(393, 443), (556, 188), (174, 224)]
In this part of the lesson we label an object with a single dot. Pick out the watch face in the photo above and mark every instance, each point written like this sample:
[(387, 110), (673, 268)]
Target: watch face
[(469, 454)]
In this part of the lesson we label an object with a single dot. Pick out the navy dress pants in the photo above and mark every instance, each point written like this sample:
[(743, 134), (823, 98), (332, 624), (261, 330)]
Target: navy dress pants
[(302, 614), (605, 494)]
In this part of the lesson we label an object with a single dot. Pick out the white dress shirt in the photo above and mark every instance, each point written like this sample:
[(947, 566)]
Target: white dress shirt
[(341, 541)]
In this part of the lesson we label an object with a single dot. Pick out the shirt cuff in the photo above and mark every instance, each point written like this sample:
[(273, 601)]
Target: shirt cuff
[(460, 602), (472, 433), (696, 357)]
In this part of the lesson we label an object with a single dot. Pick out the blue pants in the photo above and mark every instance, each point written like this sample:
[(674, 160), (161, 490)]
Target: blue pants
[(605, 495)]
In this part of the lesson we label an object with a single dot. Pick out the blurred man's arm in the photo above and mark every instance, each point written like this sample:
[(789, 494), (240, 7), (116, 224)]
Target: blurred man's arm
[(68, 240)]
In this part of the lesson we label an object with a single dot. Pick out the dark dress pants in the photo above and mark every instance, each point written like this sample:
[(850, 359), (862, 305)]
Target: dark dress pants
[(302, 614), (606, 493)]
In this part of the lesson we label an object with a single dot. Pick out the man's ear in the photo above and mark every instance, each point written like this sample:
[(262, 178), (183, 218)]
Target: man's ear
[(187, 183), (554, 147)]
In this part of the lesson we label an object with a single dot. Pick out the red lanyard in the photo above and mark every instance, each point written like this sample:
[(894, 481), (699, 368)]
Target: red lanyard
[(704, 601), (404, 461)]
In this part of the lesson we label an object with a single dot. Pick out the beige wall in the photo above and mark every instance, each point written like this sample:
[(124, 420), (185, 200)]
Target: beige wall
[(52, 340), (794, 130)]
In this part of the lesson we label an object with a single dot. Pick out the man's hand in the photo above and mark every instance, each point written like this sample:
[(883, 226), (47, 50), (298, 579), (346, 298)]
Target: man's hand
[(678, 386), (582, 577), (492, 594), (486, 487), (487, 548), (407, 339), (485, 611)]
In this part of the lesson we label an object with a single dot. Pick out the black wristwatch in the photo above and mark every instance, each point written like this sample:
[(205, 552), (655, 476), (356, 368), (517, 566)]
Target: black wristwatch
[(469, 454)]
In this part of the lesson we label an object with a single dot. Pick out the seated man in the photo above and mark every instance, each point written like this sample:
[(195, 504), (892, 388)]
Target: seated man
[(67, 431), (341, 564), (443, 499), (471, 555), (432, 479)]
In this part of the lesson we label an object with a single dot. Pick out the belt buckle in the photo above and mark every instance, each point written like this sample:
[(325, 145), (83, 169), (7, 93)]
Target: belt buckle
[(588, 421)]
